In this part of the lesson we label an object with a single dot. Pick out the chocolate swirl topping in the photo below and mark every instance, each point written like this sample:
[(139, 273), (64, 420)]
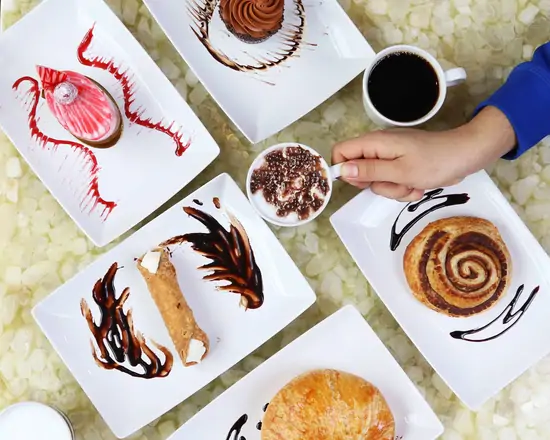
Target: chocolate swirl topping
[(292, 35), (230, 254), (253, 18), (459, 266), (115, 337)]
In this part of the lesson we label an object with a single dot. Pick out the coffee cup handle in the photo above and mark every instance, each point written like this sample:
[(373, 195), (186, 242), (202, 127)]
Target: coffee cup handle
[(454, 77)]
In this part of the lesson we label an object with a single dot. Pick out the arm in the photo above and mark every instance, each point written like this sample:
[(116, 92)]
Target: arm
[(525, 101)]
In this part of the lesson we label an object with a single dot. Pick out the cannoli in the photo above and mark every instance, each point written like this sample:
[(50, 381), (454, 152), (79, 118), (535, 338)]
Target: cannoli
[(159, 273)]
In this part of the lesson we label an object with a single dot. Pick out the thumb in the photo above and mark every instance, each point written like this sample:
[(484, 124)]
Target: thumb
[(372, 170)]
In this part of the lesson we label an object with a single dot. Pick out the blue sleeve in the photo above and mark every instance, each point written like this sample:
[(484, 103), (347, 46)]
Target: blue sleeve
[(525, 100)]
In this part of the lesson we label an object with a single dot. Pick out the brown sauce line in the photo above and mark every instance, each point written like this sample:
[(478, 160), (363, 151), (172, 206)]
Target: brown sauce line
[(449, 200), (202, 15), (507, 315), (116, 339)]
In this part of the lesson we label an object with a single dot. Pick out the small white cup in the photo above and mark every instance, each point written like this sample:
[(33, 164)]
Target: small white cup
[(446, 79), (267, 211), (34, 420)]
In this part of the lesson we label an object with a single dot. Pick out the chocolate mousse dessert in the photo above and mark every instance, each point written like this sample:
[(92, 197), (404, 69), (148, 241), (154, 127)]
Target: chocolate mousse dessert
[(293, 180), (252, 21)]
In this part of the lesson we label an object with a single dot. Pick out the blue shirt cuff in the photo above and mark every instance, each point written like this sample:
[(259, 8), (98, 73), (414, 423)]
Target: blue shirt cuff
[(525, 100)]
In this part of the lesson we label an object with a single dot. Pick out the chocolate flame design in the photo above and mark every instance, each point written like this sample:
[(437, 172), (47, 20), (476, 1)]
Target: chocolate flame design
[(201, 12), (231, 255), (115, 337)]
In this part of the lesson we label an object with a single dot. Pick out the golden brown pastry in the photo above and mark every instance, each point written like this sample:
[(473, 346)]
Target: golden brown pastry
[(159, 273), (458, 266), (328, 405)]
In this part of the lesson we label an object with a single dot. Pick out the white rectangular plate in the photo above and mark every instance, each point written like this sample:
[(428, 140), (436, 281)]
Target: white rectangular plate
[(142, 170), (128, 403), (475, 371), (263, 100), (343, 341)]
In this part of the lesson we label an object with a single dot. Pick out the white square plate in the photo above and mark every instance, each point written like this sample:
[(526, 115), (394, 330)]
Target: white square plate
[(343, 341), (475, 371), (128, 403), (262, 101), (142, 170)]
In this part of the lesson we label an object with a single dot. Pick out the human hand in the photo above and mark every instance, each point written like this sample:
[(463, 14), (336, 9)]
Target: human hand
[(402, 163)]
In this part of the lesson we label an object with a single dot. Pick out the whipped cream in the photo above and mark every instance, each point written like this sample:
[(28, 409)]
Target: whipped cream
[(151, 261), (196, 351)]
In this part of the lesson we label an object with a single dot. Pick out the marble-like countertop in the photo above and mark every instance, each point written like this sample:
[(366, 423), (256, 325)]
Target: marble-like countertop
[(41, 247)]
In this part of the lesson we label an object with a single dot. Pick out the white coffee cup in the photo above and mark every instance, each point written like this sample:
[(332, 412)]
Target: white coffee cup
[(446, 79), (269, 212)]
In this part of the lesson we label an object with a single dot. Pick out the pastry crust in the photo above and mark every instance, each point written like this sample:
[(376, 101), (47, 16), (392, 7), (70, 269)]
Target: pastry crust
[(176, 313), (328, 405), (459, 266)]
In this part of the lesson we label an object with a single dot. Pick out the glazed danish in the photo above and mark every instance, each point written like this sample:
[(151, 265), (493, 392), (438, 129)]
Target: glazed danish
[(328, 405), (459, 266)]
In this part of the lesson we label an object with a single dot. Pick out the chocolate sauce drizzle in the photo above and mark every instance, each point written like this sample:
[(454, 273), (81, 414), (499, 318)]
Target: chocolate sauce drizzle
[(230, 254), (235, 431), (293, 180), (197, 202), (238, 426), (115, 336), (201, 12), (449, 200), (507, 315)]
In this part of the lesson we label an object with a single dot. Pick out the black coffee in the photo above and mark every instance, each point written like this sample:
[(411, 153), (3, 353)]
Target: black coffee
[(403, 87)]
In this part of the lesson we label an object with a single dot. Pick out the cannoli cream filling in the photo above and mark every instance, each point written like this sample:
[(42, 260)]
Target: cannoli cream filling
[(196, 351), (151, 261)]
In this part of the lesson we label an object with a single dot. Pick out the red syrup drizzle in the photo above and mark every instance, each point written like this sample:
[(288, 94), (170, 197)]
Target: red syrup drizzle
[(128, 90), (92, 196)]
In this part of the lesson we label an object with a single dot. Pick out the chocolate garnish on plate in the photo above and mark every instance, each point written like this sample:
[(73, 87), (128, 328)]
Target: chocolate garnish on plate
[(231, 256), (235, 431), (115, 337), (293, 180), (448, 200), (507, 315)]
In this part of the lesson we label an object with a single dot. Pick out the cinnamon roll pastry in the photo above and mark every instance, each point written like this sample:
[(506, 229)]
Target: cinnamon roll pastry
[(328, 405), (459, 266)]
